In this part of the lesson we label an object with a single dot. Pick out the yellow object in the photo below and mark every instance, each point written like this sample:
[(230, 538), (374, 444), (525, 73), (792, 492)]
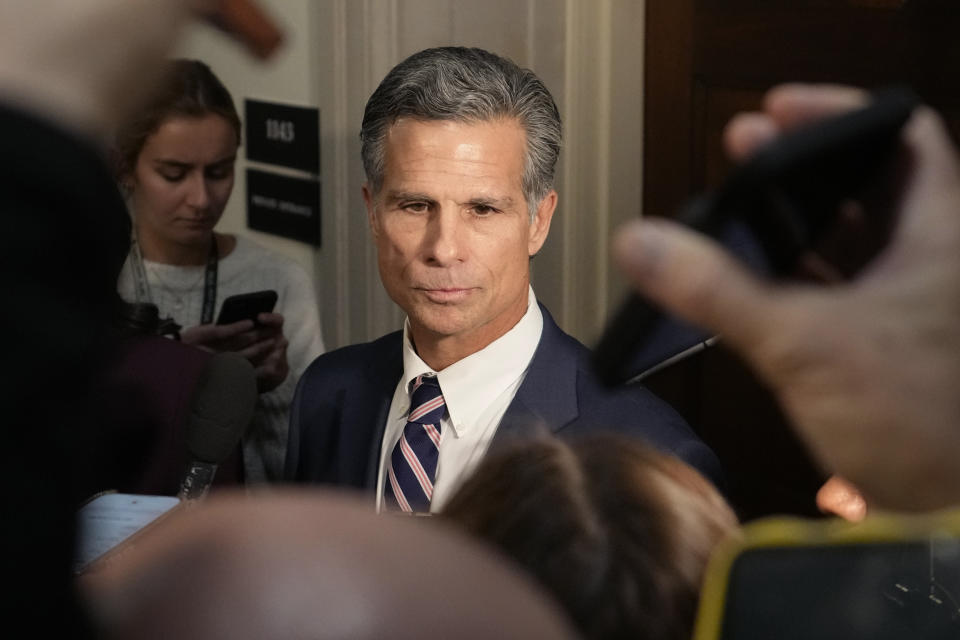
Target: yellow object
[(856, 586)]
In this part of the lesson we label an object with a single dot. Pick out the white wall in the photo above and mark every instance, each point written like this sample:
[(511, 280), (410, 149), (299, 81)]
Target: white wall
[(588, 52), (288, 77)]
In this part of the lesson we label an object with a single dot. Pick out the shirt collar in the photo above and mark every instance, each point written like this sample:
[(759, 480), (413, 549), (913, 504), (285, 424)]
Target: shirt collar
[(470, 385)]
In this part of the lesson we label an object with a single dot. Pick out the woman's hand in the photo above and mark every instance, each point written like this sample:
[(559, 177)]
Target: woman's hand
[(263, 344), (269, 353)]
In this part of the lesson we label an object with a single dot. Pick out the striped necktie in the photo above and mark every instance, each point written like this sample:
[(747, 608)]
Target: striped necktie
[(413, 463)]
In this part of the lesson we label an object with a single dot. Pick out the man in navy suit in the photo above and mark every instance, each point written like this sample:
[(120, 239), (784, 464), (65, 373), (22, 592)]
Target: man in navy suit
[(459, 148)]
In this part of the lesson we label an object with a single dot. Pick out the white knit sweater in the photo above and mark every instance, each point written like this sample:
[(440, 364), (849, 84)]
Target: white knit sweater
[(178, 292)]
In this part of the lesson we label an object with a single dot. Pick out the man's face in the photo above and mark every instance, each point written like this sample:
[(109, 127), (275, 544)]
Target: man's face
[(453, 230)]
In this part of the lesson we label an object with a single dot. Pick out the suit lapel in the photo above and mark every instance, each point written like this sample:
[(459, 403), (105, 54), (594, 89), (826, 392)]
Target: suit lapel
[(547, 399), (365, 413)]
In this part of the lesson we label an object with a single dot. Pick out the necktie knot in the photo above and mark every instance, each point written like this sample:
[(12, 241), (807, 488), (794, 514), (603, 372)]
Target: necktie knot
[(426, 401)]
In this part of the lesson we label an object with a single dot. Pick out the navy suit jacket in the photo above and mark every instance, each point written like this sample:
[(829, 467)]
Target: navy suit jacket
[(340, 409)]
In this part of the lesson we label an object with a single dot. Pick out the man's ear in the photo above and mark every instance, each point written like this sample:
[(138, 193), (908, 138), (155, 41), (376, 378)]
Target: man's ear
[(369, 200), (540, 225)]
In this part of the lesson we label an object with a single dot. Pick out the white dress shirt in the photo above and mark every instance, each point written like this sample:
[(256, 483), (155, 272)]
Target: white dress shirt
[(477, 391)]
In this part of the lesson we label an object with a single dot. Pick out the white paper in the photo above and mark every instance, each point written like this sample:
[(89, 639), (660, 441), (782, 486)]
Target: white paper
[(108, 520)]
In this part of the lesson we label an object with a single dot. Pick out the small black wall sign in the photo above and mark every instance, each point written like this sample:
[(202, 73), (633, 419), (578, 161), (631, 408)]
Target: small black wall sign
[(283, 134), (285, 206)]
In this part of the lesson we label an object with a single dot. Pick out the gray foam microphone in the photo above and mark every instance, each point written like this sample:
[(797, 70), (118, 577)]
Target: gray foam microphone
[(220, 411)]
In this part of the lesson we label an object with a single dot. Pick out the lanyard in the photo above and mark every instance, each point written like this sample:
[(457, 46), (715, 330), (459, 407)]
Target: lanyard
[(210, 283), (142, 286)]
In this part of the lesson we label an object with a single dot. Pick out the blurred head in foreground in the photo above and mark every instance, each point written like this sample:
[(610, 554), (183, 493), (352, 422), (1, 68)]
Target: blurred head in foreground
[(619, 533), (312, 565)]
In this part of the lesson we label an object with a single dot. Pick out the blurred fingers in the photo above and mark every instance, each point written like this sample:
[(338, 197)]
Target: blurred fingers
[(840, 498), (695, 278), (792, 105), (786, 107), (747, 132), (244, 20)]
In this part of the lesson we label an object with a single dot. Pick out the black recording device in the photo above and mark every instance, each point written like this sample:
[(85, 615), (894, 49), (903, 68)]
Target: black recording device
[(772, 209), (247, 306), (220, 411)]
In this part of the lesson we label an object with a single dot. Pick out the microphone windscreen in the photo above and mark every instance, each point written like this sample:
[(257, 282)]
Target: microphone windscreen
[(221, 407)]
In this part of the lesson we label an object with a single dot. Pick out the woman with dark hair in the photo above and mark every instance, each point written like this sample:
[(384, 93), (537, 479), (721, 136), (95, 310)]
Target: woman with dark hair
[(175, 164), (619, 533)]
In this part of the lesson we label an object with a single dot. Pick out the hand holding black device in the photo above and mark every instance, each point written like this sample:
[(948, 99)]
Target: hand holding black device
[(247, 306), (782, 201)]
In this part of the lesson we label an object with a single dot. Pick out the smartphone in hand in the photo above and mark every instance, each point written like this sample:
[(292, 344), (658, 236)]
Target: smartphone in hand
[(247, 306)]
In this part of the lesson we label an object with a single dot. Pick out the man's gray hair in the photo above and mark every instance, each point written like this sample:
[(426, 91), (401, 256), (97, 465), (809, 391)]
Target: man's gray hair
[(466, 85)]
